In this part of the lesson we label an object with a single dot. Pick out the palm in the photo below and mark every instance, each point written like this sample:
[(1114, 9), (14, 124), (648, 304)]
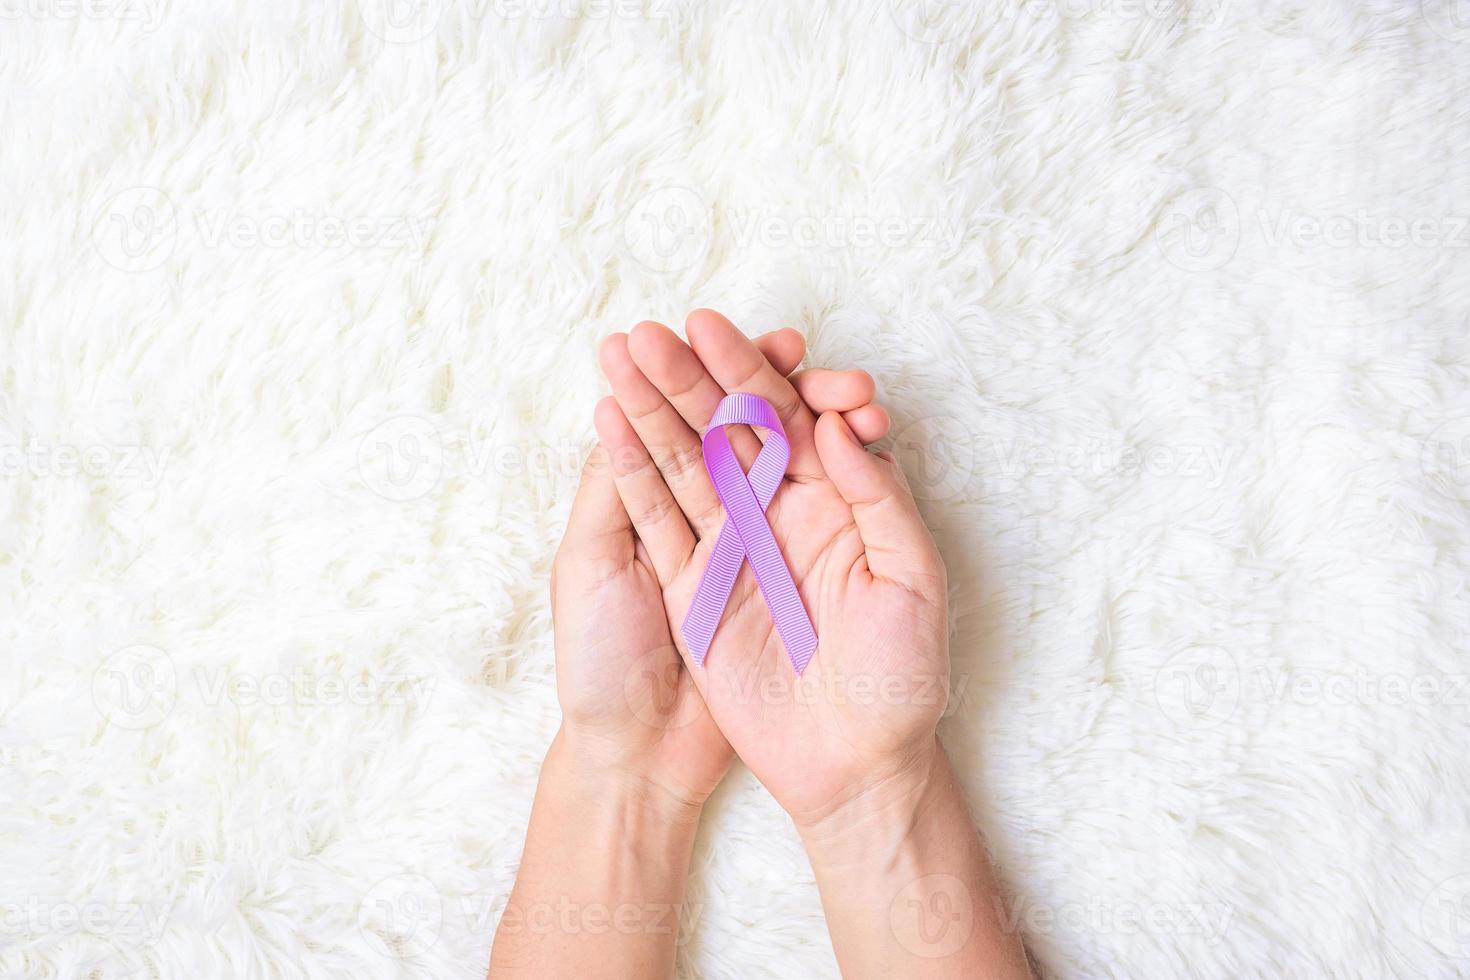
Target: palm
[(624, 684), (804, 736)]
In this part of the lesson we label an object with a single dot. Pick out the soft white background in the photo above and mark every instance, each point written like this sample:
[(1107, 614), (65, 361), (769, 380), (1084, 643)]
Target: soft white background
[(298, 313)]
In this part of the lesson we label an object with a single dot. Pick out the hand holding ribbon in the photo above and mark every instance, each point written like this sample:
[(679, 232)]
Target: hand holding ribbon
[(863, 565)]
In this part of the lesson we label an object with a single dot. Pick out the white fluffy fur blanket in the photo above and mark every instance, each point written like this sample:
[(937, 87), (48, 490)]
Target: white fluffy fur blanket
[(298, 312)]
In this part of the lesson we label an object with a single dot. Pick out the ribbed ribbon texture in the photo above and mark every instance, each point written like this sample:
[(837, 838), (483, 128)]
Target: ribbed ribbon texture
[(747, 534)]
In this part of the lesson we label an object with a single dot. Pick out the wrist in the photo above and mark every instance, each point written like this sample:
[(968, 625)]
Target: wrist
[(876, 819), (907, 884), (586, 767)]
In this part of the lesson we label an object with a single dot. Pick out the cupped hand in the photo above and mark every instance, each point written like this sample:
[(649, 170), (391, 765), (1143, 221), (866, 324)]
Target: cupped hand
[(629, 705), (863, 715)]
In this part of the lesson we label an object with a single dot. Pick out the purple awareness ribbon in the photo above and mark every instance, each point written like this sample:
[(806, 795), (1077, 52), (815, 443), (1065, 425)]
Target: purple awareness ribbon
[(747, 534)]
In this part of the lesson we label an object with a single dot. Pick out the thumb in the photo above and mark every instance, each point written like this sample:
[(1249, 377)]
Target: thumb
[(898, 545)]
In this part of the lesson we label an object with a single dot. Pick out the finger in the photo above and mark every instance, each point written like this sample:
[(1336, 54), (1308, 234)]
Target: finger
[(679, 375), (833, 391), (736, 364), (673, 446), (848, 392), (599, 528), (898, 545), (869, 423), (650, 506), (784, 348)]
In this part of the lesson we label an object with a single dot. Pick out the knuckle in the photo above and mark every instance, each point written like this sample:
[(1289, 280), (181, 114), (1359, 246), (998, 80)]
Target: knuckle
[(710, 514), (682, 466), (657, 510)]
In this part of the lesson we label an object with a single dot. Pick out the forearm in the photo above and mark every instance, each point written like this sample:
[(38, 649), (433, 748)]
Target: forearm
[(907, 886), (602, 875)]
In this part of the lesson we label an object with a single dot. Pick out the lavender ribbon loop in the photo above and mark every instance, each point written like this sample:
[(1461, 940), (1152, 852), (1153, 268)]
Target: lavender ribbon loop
[(747, 534)]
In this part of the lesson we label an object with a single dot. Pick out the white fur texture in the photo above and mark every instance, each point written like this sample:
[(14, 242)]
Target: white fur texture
[(297, 326)]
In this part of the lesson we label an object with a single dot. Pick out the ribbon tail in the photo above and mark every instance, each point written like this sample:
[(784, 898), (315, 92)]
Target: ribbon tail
[(773, 576), (715, 586)]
